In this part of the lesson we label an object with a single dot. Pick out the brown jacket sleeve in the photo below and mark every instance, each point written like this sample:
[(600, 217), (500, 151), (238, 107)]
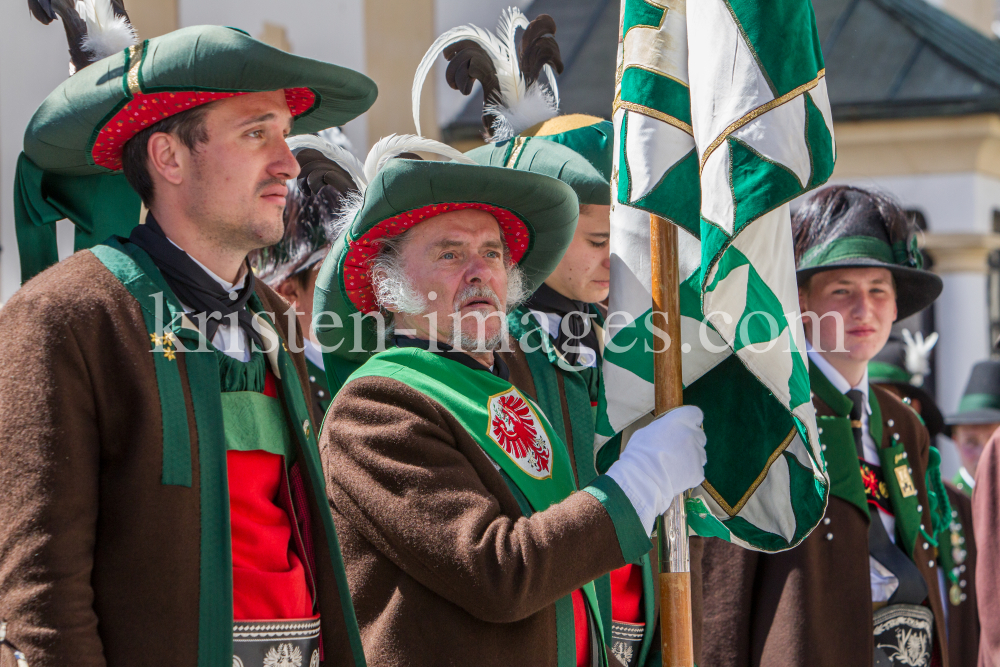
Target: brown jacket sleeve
[(48, 482), (406, 476), (986, 526)]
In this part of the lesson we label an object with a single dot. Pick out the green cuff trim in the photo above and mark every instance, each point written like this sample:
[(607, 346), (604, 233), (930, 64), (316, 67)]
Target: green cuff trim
[(632, 536), (972, 402)]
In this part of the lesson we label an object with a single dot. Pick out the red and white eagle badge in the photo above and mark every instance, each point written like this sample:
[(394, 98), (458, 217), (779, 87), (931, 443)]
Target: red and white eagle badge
[(515, 426)]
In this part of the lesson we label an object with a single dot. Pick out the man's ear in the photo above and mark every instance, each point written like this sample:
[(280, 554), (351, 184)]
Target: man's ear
[(289, 290), (804, 298), (164, 157)]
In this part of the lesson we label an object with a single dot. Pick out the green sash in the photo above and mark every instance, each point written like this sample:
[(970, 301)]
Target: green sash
[(581, 390), (491, 410), (137, 273)]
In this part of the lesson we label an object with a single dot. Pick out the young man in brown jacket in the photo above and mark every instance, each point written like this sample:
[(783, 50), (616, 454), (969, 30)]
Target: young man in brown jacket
[(466, 539), (163, 500), (862, 589)]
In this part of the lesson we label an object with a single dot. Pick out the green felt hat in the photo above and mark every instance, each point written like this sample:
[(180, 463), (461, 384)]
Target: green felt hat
[(82, 125), (537, 216), (852, 228), (70, 167), (550, 159), (981, 402), (590, 136)]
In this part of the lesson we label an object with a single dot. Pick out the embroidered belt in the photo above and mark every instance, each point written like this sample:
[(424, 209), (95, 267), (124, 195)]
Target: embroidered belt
[(273, 643), (903, 636), (626, 641)]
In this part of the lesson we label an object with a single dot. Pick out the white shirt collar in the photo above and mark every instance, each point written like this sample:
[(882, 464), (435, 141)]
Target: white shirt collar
[(314, 353), (835, 378), (226, 285)]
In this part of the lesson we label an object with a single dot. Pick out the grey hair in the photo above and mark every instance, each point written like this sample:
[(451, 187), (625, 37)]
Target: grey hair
[(393, 288)]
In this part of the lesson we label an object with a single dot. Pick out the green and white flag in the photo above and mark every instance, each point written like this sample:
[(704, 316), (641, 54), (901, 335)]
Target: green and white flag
[(722, 117)]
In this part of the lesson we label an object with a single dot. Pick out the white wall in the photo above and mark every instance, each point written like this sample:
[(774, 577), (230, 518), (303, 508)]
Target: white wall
[(33, 61), (327, 30)]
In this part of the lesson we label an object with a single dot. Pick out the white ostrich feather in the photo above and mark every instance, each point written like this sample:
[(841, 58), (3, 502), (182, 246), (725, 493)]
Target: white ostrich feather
[(502, 49), (107, 34), (391, 146)]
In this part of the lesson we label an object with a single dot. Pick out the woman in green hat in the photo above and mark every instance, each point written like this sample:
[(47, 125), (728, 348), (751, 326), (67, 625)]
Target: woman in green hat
[(870, 568), (164, 499), (452, 490)]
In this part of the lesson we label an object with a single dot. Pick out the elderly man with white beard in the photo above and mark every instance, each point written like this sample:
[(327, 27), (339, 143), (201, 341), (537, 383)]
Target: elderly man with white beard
[(465, 539)]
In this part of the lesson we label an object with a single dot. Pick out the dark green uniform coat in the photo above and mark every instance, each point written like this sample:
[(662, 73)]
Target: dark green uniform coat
[(114, 548)]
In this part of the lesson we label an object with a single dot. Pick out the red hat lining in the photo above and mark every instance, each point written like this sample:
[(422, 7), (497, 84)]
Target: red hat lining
[(146, 109), (357, 281)]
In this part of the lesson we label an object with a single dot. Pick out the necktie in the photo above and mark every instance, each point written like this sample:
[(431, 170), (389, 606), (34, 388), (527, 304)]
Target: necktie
[(912, 587)]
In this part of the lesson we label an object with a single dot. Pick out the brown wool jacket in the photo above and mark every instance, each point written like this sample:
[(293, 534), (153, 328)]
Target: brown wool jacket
[(99, 561), (986, 519), (443, 566), (811, 606), (963, 619)]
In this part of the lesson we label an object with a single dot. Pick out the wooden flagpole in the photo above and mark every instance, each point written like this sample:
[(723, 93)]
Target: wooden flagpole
[(675, 567)]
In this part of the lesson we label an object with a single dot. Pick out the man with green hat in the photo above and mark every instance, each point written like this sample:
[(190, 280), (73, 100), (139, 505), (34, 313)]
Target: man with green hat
[(863, 588), (453, 493), (900, 368), (977, 418), (164, 499), (560, 327)]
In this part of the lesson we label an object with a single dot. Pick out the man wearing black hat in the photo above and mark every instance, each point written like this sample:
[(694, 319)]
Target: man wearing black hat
[(900, 368), (164, 501), (862, 589)]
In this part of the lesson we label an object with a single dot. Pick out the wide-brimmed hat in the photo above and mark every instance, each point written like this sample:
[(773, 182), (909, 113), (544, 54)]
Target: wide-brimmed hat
[(590, 136), (71, 164), (890, 367), (849, 229), (549, 158), (980, 403), (82, 125), (537, 217)]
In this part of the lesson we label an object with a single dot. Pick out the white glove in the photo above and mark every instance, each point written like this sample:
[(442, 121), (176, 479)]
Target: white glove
[(661, 460)]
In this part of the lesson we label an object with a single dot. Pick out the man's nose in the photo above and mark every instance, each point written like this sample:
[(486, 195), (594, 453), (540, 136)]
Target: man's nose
[(285, 166)]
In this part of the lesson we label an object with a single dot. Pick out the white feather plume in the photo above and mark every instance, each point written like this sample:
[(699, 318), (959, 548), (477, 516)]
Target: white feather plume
[(107, 34), (333, 152), (918, 352), (539, 102), (391, 146)]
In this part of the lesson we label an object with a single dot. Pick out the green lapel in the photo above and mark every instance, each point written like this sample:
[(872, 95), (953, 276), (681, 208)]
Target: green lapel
[(898, 474), (142, 279), (837, 441)]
